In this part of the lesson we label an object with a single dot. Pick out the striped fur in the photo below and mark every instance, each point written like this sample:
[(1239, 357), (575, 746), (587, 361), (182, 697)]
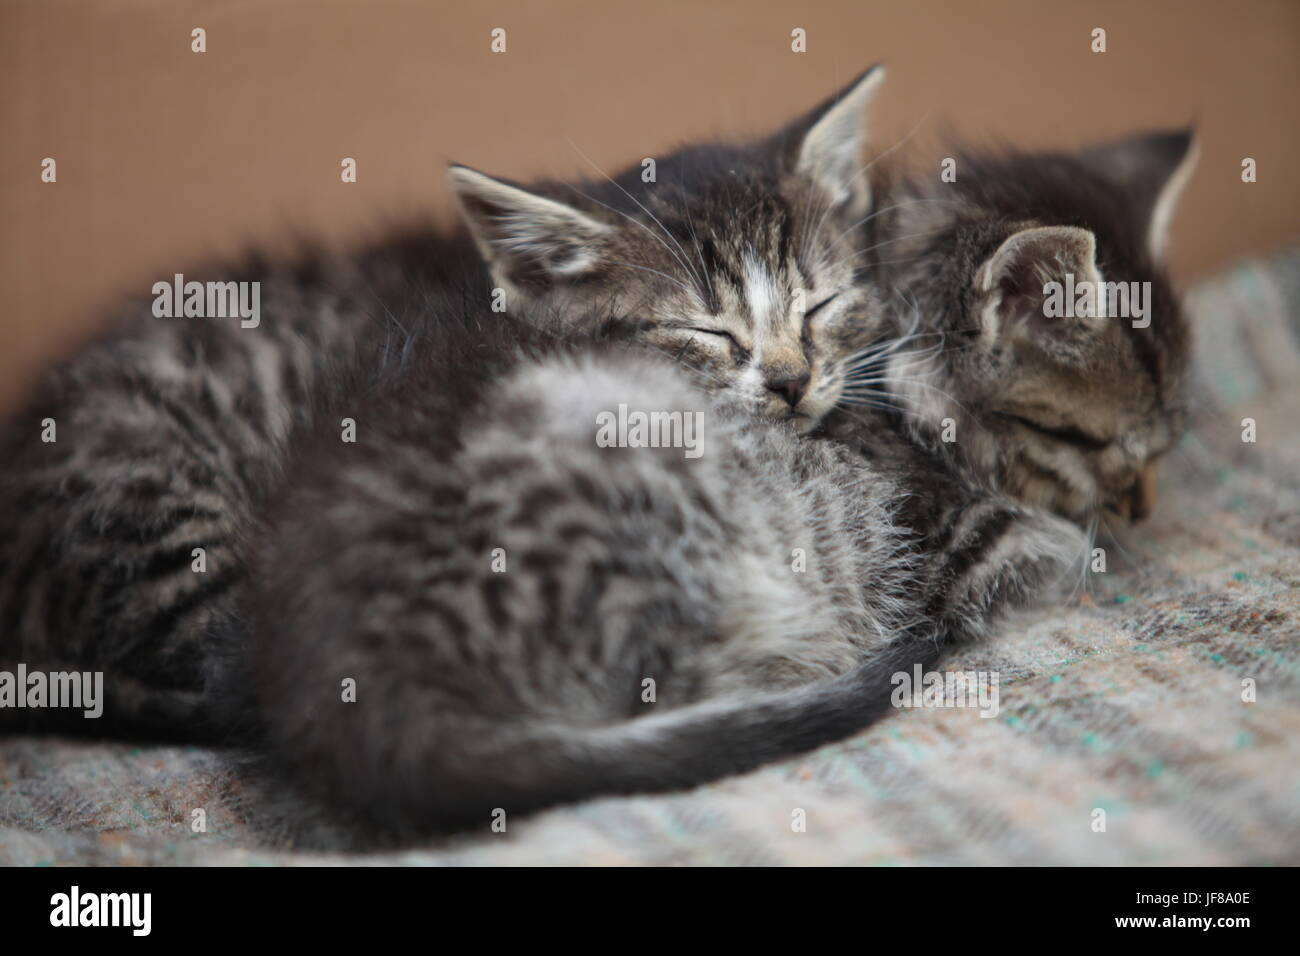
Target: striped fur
[(1070, 414), (172, 432), (372, 561), (168, 437), (514, 686)]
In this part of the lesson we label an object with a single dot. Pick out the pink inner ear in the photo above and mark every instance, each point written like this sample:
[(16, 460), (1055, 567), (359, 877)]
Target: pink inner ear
[(1024, 265), (1021, 296), (1022, 309)]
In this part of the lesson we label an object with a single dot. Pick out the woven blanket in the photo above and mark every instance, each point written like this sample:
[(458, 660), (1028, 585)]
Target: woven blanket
[(1153, 719)]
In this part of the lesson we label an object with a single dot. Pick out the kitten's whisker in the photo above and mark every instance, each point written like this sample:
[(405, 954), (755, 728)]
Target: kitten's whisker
[(860, 402), (877, 245), (867, 388), (886, 345), (1110, 534), (652, 216), (904, 384), (867, 385), (699, 256), (1084, 579), (880, 212), (916, 358), (640, 225), (870, 356), (664, 275), (816, 232)]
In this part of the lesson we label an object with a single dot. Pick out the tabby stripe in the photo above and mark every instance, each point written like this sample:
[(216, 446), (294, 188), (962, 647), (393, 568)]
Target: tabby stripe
[(455, 629), (975, 544), (159, 631), (148, 529), (19, 592), (785, 234), (164, 563), (192, 429), (715, 265)]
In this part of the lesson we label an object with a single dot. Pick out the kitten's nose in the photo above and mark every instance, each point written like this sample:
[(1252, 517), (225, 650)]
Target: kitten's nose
[(790, 387), (1142, 496)]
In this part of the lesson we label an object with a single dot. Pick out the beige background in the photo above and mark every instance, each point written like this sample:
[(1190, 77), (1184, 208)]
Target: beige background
[(166, 156)]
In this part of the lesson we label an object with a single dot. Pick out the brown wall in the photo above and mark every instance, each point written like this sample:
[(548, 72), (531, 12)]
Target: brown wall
[(165, 156)]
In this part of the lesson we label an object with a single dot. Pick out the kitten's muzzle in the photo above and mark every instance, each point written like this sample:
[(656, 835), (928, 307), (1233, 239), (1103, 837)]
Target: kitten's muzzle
[(1138, 502)]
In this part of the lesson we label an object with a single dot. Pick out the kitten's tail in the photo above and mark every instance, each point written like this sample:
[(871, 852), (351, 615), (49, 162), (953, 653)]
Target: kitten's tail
[(520, 767), (690, 745)]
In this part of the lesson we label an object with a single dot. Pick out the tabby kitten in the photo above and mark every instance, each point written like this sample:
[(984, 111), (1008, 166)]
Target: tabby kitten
[(1067, 412), (479, 607), (123, 542), (737, 261)]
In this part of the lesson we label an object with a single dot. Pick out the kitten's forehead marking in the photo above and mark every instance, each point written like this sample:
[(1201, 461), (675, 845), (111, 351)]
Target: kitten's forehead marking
[(762, 294)]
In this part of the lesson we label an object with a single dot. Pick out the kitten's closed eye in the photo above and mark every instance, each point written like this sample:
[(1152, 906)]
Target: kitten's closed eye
[(806, 332), (1065, 433), (742, 353), (718, 332), (819, 306)]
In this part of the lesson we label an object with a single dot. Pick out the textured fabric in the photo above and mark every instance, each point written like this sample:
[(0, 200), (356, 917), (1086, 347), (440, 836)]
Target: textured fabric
[(1127, 700)]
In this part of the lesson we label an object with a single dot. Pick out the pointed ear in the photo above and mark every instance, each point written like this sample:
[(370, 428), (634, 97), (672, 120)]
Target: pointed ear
[(830, 140), (1025, 284), (1152, 169), (529, 240)]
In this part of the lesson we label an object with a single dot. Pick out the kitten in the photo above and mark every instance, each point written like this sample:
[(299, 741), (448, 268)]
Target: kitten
[(122, 536), (123, 541), (737, 260), (1067, 412), (478, 607)]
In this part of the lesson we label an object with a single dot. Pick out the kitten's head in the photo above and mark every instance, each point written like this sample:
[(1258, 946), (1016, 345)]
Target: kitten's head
[(1061, 401), (738, 260)]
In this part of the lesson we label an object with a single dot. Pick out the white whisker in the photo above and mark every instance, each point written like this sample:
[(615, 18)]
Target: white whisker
[(682, 261)]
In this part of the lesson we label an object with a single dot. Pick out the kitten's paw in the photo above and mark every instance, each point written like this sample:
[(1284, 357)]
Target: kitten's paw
[(1004, 555), (1047, 555)]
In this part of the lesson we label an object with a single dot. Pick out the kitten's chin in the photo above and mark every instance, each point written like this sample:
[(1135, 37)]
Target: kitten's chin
[(802, 423)]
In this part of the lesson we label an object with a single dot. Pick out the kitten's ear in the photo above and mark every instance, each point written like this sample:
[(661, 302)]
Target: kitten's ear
[(830, 139), (532, 241), (1152, 169), (1023, 286)]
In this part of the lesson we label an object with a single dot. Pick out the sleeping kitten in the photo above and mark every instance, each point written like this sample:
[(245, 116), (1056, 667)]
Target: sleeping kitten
[(477, 606), (123, 540), (737, 261), (1069, 412)]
